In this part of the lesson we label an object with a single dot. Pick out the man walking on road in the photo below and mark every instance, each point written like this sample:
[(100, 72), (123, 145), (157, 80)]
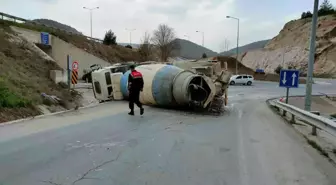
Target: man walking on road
[(135, 85)]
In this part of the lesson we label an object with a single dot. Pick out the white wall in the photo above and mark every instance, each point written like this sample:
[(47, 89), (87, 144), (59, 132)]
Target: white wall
[(60, 50)]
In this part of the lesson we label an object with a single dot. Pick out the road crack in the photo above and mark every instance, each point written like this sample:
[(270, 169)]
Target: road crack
[(95, 168), (51, 182)]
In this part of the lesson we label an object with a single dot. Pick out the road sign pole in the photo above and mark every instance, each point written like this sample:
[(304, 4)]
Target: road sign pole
[(68, 70), (309, 80), (287, 93)]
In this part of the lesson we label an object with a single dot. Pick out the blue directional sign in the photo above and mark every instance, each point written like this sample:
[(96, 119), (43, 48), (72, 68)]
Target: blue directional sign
[(289, 78), (44, 38)]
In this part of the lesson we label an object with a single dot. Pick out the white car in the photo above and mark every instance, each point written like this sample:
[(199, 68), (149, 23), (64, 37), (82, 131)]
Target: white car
[(241, 79)]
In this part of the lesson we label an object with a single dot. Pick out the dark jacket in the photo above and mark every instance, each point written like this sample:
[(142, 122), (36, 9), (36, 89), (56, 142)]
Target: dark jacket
[(135, 81)]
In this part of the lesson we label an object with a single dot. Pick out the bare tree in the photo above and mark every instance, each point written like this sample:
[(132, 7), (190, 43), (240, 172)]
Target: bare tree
[(165, 41), (145, 48)]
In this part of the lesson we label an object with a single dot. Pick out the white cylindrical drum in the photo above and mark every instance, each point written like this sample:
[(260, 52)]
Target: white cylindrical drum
[(148, 72)]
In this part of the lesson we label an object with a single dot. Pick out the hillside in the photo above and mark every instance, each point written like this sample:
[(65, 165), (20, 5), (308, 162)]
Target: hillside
[(57, 25), (245, 48), (24, 76), (290, 48), (111, 54), (192, 51), (188, 49)]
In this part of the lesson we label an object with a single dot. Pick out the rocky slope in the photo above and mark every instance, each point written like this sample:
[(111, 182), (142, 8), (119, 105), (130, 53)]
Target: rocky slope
[(245, 48), (291, 47)]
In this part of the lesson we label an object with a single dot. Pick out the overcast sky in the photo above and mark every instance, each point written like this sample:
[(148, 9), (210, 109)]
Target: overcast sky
[(260, 19)]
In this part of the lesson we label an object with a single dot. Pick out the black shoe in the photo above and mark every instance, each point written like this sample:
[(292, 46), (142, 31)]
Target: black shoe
[(131, 113), (142, 111)]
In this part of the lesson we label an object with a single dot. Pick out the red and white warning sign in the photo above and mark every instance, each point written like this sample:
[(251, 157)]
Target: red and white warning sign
[(74, 65)]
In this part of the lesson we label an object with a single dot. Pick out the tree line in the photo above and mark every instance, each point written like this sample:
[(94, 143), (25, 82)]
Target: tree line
[(162, 43), (326, 8)]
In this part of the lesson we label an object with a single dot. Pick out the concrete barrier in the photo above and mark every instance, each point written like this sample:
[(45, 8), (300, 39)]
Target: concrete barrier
[(60, 50), (58, 76)]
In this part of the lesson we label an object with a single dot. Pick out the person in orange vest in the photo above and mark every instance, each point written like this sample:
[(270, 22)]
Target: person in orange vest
[(135, 85)]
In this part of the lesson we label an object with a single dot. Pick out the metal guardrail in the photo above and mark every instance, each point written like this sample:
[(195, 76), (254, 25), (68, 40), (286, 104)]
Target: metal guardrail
[(14, 18), (313, 120)]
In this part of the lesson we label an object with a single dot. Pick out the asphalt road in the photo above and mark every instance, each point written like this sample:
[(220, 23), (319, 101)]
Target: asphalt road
[(249, 145)]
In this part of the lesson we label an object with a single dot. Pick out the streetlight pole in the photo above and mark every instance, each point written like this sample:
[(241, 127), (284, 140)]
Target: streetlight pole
[(230, 17), (130, 35), (309, 80), (91, 9), (202, 37)]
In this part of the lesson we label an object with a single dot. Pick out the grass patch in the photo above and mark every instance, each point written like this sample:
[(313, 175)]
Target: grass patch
[(9, 99)]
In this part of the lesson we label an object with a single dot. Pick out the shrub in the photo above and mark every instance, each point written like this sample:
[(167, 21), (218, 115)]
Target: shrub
[(9, 99), (110, 38), (278, 69), (128, 46)]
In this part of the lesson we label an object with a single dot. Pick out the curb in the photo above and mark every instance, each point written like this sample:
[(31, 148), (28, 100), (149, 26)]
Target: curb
[(46, 115)]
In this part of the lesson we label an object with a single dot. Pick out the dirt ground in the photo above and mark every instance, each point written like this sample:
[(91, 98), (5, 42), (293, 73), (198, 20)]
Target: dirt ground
[(26, 75), (242, 69), (319, 103)]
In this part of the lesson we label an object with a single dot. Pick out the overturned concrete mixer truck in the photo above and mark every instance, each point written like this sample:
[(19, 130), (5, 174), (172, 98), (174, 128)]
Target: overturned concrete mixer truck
[(170, 86)]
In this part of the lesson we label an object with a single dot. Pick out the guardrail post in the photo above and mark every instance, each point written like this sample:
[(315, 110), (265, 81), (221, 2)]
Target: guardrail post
[(314, 129), (292, 121), (284, 113)]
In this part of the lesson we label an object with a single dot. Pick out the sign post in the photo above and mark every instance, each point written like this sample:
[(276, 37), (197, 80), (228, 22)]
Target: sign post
[(69, 71), (289, 79)]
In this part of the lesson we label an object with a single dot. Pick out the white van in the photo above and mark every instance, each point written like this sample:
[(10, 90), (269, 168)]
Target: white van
[(241, 79)]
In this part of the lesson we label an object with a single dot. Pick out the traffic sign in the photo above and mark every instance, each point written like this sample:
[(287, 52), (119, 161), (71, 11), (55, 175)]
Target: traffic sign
[(44, 38), (74, 65), (74, 77), (289, 78)]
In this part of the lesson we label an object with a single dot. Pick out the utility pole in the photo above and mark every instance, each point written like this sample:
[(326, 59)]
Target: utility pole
[(130, 35), (237, 49), (202, 37), (91, 9), (309, 80)]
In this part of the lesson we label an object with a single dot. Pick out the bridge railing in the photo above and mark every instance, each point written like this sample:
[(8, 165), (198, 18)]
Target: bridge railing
[(315, 121), (26, 21)]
